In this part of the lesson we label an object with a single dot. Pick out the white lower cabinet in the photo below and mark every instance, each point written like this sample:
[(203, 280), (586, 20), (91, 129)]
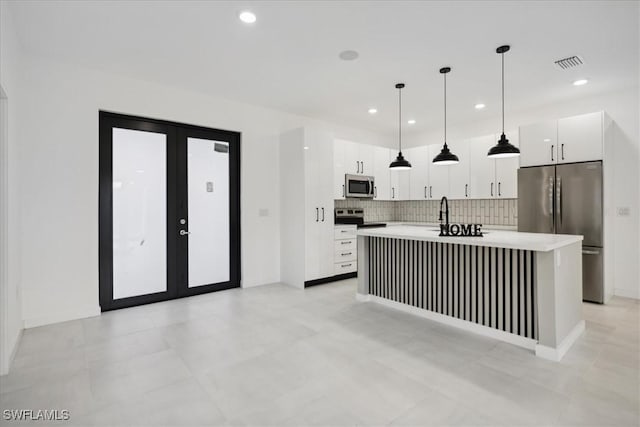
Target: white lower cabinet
[(345, 255)]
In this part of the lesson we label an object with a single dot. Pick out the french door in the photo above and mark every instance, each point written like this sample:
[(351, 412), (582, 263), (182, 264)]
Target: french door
[(169, 210)]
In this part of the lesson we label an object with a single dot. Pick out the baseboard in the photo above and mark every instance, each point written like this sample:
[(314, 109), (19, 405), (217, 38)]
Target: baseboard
[(62, 316), (556, 354), (335, 278), (627, 293), (486, 331)]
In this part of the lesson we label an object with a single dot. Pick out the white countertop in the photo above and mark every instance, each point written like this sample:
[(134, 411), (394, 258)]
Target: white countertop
[(492, 238)]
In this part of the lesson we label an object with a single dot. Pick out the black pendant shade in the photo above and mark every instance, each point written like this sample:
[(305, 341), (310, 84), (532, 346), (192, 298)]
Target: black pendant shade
[(446, 157), (400, 163), (503, 148)]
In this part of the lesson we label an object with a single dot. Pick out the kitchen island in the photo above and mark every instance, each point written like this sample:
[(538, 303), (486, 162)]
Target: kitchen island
[(522, 288)]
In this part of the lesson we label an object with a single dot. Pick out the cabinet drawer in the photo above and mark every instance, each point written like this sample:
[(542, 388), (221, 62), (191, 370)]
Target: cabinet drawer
[(347, 255), (346, 267), (345, 232), (346, 244)]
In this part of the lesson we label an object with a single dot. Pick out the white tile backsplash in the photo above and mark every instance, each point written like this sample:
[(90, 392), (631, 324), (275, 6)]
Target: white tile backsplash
[(482, 211)]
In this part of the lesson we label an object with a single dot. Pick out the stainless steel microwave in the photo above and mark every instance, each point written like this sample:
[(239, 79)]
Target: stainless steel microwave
[(359, 186)]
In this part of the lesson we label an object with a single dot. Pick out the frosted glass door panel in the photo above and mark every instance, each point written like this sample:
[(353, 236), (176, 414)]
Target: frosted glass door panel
[(139, 213), (208, 207)]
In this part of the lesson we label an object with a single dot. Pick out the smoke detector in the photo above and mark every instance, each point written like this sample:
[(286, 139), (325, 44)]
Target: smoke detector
[(569, 62)]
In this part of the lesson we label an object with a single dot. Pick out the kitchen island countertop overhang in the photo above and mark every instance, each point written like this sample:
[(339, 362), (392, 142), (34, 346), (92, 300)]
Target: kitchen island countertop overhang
[(522, 288)]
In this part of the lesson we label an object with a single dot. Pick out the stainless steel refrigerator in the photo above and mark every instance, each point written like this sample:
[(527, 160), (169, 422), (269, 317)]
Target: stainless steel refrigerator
[(567, 199)]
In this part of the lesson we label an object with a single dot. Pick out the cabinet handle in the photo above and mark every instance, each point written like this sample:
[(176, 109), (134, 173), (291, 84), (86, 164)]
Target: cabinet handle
[(322, 214), (466, 190), (346, 265), (425, 191), (345, 243), (357, 166), (317, 214), (375, 192), (346, 254), (343, 195), (552, 152), (562, 151), (393, 192), (361, 167), (499, 191), (492, 189), (430, 192)]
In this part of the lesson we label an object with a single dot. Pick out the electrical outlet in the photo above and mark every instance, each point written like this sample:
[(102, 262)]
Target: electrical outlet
[(624, 211)]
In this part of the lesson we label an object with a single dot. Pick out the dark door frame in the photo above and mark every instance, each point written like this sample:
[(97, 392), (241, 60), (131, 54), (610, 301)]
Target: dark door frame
[(177, 246)]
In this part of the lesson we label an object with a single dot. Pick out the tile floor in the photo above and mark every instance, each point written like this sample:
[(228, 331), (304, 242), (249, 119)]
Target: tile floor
[(274, 355)]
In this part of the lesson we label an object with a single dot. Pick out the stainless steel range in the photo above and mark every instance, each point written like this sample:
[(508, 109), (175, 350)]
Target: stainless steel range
[(354, 216)]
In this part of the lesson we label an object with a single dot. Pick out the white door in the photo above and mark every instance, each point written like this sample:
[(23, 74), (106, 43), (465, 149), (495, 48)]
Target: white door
[(338, 170), (481, 168), (507, 172), (419, 173), (538, 143), (459, 174), (382, 190), (438, 175), (580, 138)]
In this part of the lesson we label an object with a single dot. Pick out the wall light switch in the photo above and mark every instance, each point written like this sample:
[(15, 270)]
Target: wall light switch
[(624, 211), (263, 212), (209, 187)]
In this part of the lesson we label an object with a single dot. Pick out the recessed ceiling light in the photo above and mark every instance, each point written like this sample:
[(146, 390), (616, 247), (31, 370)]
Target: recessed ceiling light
[(372, 110), (306, 148), (247, 17), (348, 55), (479, 106), (546, 140), (411, 122), (580, 82)]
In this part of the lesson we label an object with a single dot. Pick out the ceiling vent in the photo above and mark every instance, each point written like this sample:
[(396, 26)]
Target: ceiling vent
[(570, 62)]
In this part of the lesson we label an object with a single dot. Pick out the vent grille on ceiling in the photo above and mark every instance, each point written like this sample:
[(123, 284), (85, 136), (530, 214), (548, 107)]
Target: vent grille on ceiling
[(570, 62)]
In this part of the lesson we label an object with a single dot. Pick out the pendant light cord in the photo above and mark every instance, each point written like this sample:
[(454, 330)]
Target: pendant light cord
[(400, 119), (502, 92), (445, 109)]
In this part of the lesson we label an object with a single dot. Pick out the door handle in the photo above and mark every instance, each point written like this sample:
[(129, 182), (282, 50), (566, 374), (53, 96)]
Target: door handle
[(587, 252), (466, 190), (343, 195), (492, 189), (322, 214), (317, 214), (562, 151), (184, 233), (499, 190), (552, 152)]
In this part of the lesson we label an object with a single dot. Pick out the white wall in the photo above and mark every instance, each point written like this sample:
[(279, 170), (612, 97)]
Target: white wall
[(58, 118), (623, 108), (10, 298)]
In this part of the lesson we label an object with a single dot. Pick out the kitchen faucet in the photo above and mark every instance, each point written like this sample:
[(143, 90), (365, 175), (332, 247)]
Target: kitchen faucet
[(446, 212)]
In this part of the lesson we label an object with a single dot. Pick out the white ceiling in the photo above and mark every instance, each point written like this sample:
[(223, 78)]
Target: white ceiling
[(288, 59)]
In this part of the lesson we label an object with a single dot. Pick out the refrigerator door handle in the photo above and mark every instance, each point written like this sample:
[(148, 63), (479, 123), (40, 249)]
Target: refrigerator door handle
[(588, 252), (552, 210), (559, 200)]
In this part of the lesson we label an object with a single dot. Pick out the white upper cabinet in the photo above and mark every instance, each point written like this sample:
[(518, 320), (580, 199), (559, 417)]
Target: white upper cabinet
[(459, 173), (507, 171), (339, 170), (580, 138), (351, 152), (366, 154), (539, 143), (481, 168), (568, 140), (419, 173), (438, 175), (382, 190)]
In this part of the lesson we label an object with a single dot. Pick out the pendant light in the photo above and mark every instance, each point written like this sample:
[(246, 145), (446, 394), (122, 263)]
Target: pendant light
[(503, 148), (446, 157), (400, 163)]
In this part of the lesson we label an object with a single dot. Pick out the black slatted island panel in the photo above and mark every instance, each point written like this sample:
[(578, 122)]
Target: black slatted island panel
[(493, 287)]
